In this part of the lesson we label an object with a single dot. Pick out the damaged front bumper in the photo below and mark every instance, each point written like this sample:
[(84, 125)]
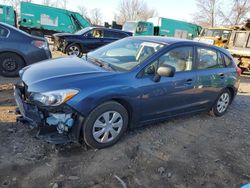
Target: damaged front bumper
[(57, 125)]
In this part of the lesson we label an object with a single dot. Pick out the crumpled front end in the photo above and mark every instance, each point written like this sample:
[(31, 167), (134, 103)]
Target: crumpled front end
[(59, 124)]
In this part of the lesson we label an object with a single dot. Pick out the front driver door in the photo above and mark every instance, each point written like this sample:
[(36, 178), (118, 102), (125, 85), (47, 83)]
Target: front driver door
[(171, 95), (93, 39)]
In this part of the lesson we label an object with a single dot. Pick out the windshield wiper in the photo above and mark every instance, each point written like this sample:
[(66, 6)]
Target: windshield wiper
[(96, 61), (101, 63)]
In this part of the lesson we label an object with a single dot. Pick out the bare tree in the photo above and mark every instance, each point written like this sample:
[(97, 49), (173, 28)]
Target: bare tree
[(131, 10), (15, 4), (207, 12), (48, 3), (237, 13), (83, 10), (96, 16), (64, 4)]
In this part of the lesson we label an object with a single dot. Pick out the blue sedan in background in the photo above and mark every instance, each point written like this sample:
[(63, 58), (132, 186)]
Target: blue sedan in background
[(19, 49), (126, 84)]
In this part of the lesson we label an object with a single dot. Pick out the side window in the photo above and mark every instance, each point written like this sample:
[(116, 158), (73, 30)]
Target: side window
[(228, 61), (8, 11), (180, 58), (226, 34), (95, 33), (207, 58), (1, 11), (220, 60), (240, 39), (3, 32), (111, 34)]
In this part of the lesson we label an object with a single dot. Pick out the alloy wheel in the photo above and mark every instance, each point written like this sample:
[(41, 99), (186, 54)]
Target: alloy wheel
[(74, 50), (223, 102)]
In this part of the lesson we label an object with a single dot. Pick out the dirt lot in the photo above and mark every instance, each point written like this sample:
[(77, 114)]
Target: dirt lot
[(195, 151)]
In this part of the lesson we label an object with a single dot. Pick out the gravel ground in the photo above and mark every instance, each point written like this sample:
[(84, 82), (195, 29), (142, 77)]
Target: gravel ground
[(194, 151)]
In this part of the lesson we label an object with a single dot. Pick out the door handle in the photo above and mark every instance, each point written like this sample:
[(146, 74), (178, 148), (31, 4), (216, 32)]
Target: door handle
[(188, 82), (222, 76)]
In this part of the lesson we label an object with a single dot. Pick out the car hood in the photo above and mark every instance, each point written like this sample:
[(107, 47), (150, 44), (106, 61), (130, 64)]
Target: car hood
[(57, 71), (59, 35)]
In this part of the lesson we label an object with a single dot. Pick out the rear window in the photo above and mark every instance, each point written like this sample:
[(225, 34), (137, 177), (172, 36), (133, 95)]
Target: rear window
[(207, 59), (228, 61), (240, 39), (3, 32)]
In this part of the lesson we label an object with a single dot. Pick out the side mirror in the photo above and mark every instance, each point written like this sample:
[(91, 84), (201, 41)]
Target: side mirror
[(164, 70), (89, 35)]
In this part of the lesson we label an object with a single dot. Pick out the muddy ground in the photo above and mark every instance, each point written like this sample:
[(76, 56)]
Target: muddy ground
[(194, 151)]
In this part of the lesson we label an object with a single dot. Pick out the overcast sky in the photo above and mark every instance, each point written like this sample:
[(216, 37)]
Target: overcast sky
[(176, 9)]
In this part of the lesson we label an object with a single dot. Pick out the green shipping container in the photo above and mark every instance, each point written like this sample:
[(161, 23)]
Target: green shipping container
[(44, 18), (7, 15)]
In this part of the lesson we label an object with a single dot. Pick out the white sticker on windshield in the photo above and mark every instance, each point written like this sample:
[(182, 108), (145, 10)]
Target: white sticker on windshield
[(1, 10)]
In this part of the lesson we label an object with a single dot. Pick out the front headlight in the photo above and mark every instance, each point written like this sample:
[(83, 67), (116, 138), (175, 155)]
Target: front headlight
[(53, 98)]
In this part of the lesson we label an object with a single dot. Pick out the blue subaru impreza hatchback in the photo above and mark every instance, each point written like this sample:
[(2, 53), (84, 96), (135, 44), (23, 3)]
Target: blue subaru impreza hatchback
[(125, 84)]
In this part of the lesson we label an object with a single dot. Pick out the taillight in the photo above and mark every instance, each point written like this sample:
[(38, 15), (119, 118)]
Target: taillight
[(40, 44), (238, 70)]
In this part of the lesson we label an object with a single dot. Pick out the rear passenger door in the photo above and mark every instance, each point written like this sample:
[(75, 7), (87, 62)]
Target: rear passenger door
[(111, 36), (211, 74)]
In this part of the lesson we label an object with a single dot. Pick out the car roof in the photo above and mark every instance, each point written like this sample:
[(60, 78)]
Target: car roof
[(110, 29), (15, 30), (172, 41), (6, 25), (12, 28)]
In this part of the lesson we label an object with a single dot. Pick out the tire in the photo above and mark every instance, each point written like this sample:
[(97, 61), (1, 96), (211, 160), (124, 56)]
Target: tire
[(97, 134), (74, 49), (10, 64), (222, 103)]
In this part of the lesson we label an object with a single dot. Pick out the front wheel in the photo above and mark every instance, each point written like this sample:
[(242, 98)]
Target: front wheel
[(222, 103), (105, 125), (74, 49)]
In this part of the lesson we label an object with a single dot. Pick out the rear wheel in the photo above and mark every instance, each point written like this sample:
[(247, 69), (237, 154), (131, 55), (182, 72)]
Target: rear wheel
[(105, 125), (74, 49), (10, 64), (222, 103)]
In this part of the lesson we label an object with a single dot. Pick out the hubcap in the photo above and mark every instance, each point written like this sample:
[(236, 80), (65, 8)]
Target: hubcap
[(107, 126), (74, 50), (223, 102), (9, 64)]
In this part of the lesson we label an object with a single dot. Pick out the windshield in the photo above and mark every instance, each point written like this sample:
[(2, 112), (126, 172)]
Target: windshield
[(130, 26), (82, 31), (216, 32), (125, 54)]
